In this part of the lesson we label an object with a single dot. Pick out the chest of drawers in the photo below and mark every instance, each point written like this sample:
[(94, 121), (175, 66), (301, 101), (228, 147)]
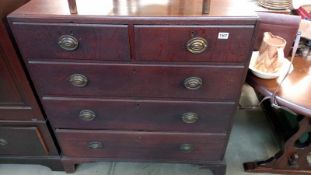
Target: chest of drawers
[(137, 81)]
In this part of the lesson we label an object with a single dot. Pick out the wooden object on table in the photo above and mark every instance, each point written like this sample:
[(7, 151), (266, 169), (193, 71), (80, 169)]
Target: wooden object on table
[(24, 134), (206, 6), (295, 95), (72, 6), (138, 80)]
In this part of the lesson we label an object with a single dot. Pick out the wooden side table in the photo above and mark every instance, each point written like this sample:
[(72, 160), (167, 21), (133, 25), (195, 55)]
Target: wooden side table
[(294, 94)]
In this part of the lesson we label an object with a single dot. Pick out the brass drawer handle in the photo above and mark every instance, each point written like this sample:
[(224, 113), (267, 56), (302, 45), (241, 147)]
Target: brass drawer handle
[(87, 115), (193, 83), (196, 45), (3, 142), (95, 145), (190, 117), (78, 80), (186, 147), (68, 42)]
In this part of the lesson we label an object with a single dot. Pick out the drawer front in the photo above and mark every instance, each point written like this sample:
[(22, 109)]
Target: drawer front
[(22, 141), (148, 115), (193, 43), (142, 145), (72, 41), (113, 80)]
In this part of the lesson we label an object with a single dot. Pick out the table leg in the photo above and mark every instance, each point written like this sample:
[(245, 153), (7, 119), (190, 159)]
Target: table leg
[(292, 159)]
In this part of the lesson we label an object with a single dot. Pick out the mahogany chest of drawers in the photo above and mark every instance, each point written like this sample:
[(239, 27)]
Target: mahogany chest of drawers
[(137, 80)]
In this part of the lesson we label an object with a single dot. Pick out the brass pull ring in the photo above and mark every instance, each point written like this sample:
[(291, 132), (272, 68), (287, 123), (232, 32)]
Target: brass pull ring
[(190, 117), (78, 80), (95, 145), (193, 83), (196, 45), (186, 148), (87, 115), (3, 142), (68, 42)]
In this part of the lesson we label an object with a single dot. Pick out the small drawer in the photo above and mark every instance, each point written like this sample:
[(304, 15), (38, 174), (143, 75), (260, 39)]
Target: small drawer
[(216, 83), (22, 141), (180, 147), (72, 41), (193, 43), (147, 115)]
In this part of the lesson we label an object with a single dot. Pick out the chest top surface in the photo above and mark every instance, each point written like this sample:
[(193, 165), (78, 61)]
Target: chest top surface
[(133, 9)]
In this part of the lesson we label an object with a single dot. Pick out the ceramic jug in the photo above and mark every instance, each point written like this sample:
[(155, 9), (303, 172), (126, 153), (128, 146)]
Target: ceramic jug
[(271, 53)]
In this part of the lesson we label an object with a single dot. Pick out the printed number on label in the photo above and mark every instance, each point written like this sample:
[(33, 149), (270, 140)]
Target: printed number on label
[(223, 35)]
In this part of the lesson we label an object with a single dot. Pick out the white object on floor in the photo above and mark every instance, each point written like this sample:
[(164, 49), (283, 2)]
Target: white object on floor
[(285, 65)]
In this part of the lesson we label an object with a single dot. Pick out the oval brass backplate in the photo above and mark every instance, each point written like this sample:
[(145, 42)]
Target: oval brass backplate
[(186, 147), (193, 83), (95, 145), (190, 117), (3, 142), (68, 42), (87, 115), (197, 45), (78, 80)]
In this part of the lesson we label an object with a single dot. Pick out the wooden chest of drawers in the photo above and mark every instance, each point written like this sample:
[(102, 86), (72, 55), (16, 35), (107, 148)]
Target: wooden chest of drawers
[(137, 85)]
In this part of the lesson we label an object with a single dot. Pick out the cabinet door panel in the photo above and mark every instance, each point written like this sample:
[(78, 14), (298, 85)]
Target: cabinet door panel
[(17, 101), (22, 141), (8, 91)]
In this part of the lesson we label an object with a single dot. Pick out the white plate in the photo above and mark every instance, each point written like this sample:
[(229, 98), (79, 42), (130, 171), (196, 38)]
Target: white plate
[(285, 65)]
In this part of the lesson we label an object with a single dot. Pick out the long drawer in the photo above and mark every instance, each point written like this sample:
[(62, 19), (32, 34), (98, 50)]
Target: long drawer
[(142, 145), (215, 83), (72, 41), (147, 115)]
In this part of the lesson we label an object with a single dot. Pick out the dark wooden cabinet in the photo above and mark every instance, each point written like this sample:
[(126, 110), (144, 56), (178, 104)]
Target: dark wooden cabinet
[(24, 134), (8, 89), (18, 140), (17, 101), (137, 81)]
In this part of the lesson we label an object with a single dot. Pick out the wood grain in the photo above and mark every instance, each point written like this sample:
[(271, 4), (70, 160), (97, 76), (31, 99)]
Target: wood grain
[(141, 145), (17, 100), (96, 41), (295, 90), (147, 115), (159, 81), (168, 43)]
